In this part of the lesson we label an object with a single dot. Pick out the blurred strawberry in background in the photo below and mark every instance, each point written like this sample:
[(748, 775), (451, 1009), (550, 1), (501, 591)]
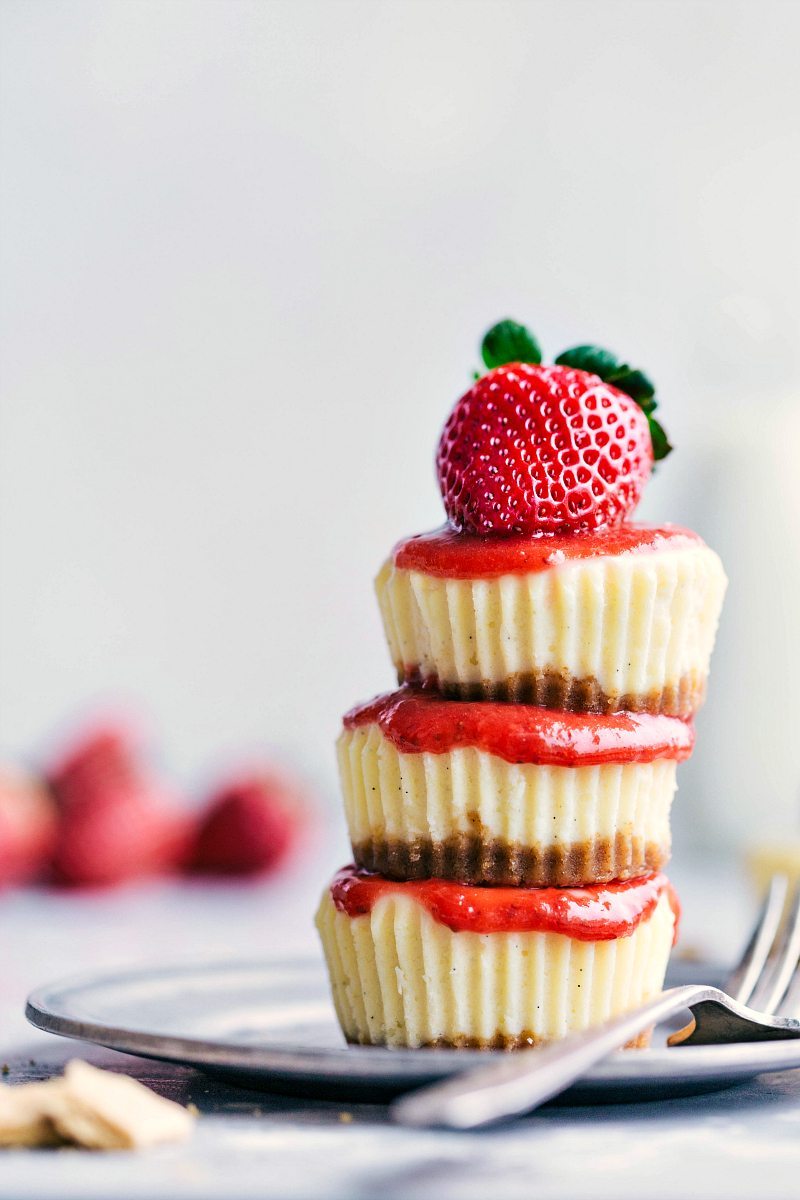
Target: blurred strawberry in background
[(101, 815), (28, 827), (123, 838), (249, 826), (116, 821), (102, 757)]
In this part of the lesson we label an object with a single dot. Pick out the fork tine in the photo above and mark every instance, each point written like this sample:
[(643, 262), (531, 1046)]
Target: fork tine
[(786, 976), (778, 975), (746, 975), (790, 1005)]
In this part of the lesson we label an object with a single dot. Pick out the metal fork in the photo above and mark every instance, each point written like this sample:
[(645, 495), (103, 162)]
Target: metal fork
[(760, 996)]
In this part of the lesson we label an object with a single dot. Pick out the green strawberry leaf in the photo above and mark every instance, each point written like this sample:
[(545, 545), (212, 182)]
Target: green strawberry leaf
[(637, 385), (661, 443), (593, 359), (602, 362), (646, 404), (508, 342)]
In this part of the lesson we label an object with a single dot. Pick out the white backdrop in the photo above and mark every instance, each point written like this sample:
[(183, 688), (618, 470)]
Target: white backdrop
[(247, 252)]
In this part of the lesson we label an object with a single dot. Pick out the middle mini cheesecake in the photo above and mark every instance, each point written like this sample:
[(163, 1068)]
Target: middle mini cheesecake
[(508, 795)]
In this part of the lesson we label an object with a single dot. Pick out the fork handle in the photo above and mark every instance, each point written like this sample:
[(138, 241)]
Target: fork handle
[(523, 1081)]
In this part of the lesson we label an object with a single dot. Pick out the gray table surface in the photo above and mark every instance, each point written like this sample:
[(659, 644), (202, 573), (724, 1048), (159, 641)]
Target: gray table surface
[(741, 1143)]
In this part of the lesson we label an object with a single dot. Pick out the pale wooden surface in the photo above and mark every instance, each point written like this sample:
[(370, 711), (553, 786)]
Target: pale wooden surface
[(742, 1143)]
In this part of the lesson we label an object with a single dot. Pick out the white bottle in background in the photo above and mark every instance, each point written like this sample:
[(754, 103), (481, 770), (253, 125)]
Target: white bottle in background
[(741, 490)]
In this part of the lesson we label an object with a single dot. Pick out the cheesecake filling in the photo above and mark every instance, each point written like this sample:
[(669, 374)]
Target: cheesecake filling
[(400, 977), (476, 817), (583, 627)]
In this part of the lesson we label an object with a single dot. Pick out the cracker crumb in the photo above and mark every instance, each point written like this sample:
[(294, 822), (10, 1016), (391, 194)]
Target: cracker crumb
[(99, 1110)]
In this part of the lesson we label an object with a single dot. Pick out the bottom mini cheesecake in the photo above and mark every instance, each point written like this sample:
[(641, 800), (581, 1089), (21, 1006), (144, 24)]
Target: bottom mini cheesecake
[(435, 963)]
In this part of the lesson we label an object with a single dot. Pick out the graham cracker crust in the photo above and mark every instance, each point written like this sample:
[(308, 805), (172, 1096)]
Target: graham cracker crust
[(475, 859), (557, 689), (503, 1041)]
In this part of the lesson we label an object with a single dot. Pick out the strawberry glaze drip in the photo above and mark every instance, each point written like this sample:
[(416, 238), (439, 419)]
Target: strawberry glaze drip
[(596, 913), (420, 722), (452, 555)]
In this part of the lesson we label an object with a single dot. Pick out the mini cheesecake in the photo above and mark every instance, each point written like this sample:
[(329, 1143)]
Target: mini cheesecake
[(439, 964), (623, 620), (488, 793)]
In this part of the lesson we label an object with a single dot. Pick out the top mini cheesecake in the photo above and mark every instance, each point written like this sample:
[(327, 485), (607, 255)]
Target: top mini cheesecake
[(540, 589), (620, 620)]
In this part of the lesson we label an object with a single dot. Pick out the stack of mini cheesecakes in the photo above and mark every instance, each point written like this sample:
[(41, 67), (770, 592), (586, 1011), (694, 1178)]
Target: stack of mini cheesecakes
[(508, 806)]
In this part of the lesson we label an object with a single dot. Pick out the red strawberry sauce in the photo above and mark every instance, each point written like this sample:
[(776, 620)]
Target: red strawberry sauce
[(596, 913), (420, 722), (452, 555)]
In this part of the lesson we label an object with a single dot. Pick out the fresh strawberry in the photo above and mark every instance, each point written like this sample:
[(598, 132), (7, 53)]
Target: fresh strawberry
[(27, 827), (248, 827), (533, 449)]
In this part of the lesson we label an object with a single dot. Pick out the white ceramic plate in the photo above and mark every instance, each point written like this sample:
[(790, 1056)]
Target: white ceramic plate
[(272, 1026)]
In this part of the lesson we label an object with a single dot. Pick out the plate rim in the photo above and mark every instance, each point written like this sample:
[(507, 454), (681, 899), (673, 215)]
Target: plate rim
[(367, 1064)]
